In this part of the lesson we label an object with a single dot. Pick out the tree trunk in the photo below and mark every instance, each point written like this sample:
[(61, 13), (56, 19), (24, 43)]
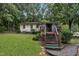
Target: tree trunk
[(70, 24), (8, 25)]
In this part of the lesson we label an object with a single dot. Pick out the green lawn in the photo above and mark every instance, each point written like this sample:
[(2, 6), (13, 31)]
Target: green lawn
[(74, 41), (18, 45)]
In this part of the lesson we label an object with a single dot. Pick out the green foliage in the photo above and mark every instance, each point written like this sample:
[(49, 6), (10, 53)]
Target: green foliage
[(11, 15), (33, 31), (65, 28), (2, 29), (66, 36), (36, 34), (65, 13), (75, 28), (44, 21), (36, 37), (18, 30)]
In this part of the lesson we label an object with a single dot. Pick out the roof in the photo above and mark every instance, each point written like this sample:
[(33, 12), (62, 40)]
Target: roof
[(30, 23), (37, 23)]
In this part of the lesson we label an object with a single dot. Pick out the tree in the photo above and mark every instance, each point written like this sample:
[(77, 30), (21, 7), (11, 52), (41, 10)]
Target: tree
[(8, 15), (11, 15), (64, 13)]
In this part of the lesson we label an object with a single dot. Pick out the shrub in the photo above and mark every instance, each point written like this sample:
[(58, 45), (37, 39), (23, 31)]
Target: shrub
[(34, 31), (66, 36), (36, 37), (65, 28)]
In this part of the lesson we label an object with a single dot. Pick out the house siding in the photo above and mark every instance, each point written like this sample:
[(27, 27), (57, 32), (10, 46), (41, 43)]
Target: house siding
[(26, 29)]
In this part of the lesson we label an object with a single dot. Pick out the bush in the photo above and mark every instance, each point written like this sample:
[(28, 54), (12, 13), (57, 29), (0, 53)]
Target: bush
[(34, 31), (65, 28), (36, 37), (66, 36)]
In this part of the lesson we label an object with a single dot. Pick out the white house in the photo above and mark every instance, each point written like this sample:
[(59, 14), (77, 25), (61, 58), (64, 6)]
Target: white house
[(28, 26), (36, 26)]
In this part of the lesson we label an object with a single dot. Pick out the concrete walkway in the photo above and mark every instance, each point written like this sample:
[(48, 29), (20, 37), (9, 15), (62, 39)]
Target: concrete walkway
[(68, 50)]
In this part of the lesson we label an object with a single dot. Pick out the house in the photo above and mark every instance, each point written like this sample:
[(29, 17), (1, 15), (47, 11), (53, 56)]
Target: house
[(36, 26), (29, 26)]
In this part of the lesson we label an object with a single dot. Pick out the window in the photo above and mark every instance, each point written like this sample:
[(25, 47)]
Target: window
[(37, 26)]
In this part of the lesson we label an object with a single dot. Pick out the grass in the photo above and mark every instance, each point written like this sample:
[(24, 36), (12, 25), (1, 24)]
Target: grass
[(18, 45), (74, 41)]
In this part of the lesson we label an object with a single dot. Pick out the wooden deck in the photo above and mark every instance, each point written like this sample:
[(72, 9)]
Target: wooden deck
[(68, 50)]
